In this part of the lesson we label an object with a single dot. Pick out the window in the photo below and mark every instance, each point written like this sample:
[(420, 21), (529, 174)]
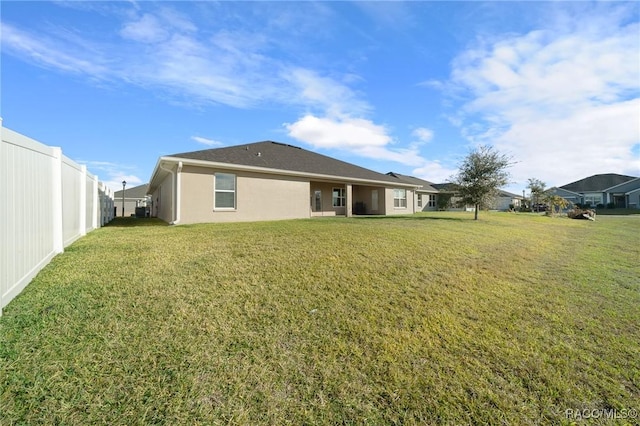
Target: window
[(593, 199), (400, 198), (317, 201), (419, 200), (225, 191), (374, 200), (338, 197), (432, 200)]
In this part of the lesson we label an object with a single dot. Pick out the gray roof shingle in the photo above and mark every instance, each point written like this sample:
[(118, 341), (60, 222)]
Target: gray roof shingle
[(280, 156), (597, 183), (424, 185)]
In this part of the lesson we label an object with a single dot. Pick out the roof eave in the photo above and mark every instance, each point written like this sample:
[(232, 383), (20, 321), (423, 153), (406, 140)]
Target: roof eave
[(281, 172)]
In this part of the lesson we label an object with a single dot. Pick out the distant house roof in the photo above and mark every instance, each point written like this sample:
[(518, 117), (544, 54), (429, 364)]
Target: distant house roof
[(502, 193), (279, 156), (135, 192), (445, 187), (597, 183), (423, 185)]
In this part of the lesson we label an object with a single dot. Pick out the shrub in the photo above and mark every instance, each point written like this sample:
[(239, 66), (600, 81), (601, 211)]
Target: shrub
[(611, 205), (600, 206)]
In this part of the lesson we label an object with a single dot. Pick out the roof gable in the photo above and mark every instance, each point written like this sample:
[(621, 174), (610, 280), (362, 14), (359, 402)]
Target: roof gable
[(627, 186), (597, 183), (280, 156)]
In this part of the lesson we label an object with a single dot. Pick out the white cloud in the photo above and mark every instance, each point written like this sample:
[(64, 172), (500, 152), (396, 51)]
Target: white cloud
[(205, 141), (423, 134), (112, 174), (565, 104), (147, 29), (53, 53), (434, 171), (355, 135), (325, 93)]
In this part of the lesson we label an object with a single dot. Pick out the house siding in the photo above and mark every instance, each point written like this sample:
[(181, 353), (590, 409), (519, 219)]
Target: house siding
[(389, 206), (162, 199), (634, 199), (258, 197)]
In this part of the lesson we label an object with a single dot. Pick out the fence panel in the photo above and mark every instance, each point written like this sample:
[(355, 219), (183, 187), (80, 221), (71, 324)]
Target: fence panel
[(48, 201)]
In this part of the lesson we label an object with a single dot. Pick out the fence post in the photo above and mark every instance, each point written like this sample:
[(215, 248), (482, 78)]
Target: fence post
[(96, 204), (56, 213), (82, 223)]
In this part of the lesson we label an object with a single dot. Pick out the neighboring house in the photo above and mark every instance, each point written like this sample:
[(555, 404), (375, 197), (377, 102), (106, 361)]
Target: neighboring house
[(633, 198), (269, 181), (433, 196), (449, 198), (570, 196), (600, 190), (506, 200), (425, 195), (133, 198), (624, 195)]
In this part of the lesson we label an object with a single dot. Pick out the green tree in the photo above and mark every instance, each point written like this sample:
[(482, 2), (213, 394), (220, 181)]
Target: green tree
[(537, 188), (556, 203), (480, 175)]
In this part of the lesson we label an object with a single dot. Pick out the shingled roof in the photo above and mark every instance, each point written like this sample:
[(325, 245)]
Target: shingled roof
[(424, 185), (596, 183), (139, 191), (280, 156)]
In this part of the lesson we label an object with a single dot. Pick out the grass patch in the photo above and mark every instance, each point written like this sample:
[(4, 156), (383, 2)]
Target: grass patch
[(433, 318)]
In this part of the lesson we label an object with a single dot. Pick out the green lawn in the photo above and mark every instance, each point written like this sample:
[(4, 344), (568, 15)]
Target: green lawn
[(428, 319)]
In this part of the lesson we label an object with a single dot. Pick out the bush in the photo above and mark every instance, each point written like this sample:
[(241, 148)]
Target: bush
[(600, 206), (611, 205)]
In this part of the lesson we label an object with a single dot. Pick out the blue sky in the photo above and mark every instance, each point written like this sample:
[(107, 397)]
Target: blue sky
[(408, 87)]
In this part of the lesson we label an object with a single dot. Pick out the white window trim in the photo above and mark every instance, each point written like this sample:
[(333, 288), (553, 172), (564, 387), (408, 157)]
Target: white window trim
[(400, 199), (342, 197), (234, 191)]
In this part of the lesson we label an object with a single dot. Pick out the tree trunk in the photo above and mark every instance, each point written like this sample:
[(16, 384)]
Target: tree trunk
[(475, 213)]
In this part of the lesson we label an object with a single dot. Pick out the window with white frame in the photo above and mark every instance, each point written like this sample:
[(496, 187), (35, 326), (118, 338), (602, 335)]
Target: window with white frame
[(593, 199), (400, 198), (339, 197), (419, 200), (225, 191), (432, 200)]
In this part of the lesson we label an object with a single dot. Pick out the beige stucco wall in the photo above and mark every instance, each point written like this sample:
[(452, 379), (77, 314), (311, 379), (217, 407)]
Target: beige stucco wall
[(326, 190), (162, 200), (391, 210), (258, 197)]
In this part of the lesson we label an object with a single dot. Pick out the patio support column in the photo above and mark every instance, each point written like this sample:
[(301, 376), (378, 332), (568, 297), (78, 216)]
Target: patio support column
[(348, 202)]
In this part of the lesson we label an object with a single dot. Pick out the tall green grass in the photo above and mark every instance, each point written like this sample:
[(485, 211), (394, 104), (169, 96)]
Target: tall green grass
[(428, 319)]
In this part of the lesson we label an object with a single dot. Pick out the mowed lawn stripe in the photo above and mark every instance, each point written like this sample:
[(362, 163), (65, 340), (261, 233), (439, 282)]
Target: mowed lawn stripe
[(433, 318)]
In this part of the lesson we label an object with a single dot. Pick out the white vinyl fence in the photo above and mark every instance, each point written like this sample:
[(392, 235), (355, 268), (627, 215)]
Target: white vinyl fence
[(47, 201)]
